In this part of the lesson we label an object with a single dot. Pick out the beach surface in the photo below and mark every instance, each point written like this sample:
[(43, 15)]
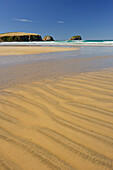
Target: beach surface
[(56, 109), (61, 123), (22, 50)]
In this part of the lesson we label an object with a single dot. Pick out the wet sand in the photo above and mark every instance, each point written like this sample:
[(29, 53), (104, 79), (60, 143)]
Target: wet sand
[(17, 70), (56, 111), (21, 50), (61, 123)]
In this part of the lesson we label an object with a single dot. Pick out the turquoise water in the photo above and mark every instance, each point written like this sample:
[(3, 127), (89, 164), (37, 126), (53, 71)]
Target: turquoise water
[(97, 40), (65, 43), (86, 42)]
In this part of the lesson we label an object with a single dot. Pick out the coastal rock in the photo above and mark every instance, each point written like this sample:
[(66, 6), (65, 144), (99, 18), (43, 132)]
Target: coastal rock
[(48, 38), (35, 38), (19, 37), (77, 37)]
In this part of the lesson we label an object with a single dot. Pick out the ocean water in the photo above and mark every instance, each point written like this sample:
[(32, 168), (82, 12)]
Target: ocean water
[(65, 43)]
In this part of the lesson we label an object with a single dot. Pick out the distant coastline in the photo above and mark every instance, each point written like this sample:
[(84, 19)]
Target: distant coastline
[(32, 39), (19, 37), (28, 37)]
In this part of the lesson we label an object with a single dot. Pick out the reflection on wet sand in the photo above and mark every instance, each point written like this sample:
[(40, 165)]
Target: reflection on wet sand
[(56, 112)]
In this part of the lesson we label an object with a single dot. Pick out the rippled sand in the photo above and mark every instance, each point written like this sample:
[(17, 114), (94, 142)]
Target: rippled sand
[(64, 123)]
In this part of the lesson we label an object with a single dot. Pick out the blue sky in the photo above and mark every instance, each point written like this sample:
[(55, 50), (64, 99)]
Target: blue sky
[(92, 19)]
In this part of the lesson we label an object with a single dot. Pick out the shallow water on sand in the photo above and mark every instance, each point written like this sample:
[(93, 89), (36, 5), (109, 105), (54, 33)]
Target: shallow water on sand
[(26, 68), (83, 52)]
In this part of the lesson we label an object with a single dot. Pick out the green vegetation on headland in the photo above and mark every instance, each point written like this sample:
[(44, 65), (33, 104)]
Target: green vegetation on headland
[(26, 37)]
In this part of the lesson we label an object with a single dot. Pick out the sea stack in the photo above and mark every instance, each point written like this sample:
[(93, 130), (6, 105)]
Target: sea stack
[(77, 37), (48, 38)]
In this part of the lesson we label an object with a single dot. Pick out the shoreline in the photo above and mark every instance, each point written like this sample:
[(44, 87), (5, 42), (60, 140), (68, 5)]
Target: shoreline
[(56, 45), (22, 50), (55, 112), (20, 69)]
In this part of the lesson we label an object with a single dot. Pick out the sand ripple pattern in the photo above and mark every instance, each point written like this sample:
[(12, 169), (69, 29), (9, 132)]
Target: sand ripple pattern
[(64, 124)]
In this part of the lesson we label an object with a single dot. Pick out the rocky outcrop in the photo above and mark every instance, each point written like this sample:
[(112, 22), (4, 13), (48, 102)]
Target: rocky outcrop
[(19, 37), (48, 38), (77, 37), (35, 38)]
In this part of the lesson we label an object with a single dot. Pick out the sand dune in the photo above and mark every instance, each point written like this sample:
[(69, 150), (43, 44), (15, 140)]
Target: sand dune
[(64, 123)]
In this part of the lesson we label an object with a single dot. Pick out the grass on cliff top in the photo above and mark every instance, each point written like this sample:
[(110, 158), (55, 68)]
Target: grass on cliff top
[(16, 34)]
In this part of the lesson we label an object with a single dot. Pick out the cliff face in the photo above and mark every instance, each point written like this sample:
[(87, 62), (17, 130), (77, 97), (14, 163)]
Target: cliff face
[(77, 37), (19, 37), (35, 38)]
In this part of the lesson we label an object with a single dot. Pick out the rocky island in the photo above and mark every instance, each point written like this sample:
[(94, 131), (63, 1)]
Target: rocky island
[(23, 37), (27, 37), (77, 37), (48, 38)]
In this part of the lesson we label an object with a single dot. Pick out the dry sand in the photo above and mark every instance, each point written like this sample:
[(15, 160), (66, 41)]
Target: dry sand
[(64, 123), (21, 50)]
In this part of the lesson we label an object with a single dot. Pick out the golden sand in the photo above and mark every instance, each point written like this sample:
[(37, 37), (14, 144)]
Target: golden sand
[(64, 123), (21, 50)]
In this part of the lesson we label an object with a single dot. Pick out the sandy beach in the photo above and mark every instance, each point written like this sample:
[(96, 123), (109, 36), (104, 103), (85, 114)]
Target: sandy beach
[(62, 123), (22, 50), (56, 85)]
